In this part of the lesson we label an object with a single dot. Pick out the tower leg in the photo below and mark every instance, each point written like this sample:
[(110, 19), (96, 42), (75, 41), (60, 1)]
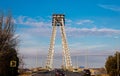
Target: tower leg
[(51, 49), (66, 53)]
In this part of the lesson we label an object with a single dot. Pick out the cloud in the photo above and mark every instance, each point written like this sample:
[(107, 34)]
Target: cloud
[(110, 7), (43, 28), (36, 22), (81, 22), (116, 37), (92, 31), (33, 26), (32, 51), (68, 20)]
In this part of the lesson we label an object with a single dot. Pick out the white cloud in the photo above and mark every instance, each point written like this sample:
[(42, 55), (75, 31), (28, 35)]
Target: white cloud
[(43, 28), (32, 51), (92, 31), (80, 22), (116, 37), (110, 7), (68, 20), (33, 26), (37, 21)]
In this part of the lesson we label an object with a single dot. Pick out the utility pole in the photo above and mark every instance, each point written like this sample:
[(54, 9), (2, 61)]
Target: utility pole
[(86, 60), (37, 59)]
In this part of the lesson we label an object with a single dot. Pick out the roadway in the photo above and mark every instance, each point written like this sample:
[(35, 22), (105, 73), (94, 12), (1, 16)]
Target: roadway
[(53, 74)]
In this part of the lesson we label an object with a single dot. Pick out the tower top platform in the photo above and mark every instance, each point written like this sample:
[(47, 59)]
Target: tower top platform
[(58, 15), (57, 19)]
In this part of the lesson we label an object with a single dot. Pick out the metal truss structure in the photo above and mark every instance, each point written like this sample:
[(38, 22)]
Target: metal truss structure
[(58, 20)]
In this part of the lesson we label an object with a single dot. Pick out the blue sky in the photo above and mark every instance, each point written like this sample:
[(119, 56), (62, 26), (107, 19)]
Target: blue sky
[(91, 25)]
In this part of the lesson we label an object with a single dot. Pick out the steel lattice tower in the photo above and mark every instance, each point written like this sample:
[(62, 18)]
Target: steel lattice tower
[(58, 20)]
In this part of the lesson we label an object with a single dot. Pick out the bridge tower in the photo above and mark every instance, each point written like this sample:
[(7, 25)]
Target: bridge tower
[(58, 20)]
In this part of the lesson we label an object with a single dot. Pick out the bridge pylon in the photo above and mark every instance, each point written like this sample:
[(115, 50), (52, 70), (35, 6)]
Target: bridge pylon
[(58, 20)]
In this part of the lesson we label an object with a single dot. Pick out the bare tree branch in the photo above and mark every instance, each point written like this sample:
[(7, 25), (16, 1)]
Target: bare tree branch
[(8, 43)]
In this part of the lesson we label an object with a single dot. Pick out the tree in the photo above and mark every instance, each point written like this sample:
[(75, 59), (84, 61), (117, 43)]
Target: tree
[(111, 65), (8, 43)]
